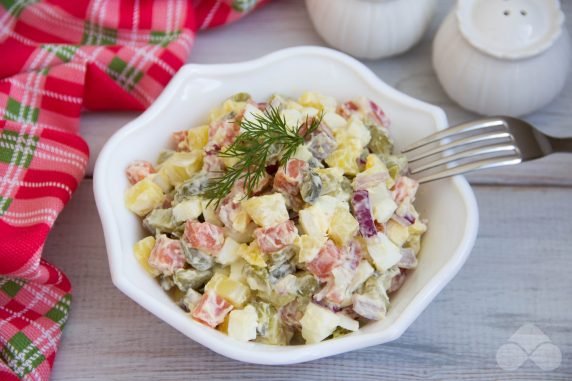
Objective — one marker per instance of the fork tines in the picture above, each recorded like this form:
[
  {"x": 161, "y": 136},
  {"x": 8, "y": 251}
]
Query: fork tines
[{"x": 466, "y": 147}]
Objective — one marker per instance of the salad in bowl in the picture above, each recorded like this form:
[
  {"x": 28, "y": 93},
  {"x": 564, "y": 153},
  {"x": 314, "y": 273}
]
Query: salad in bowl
[{"x": 280, "y": 222}]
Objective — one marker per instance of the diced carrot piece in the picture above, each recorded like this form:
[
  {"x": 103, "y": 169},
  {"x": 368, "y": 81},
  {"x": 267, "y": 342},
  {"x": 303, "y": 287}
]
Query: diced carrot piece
[
  {"x": 167, "y": 255},
  {"x": 204, "y": 236},
  {"x": 327, "y": 258},
  {"x": 289, "y": 178},
  {"x": 211, "y": 309},
  {"x": 138, "y": 170},
  {"x": 276, "y": 237}
]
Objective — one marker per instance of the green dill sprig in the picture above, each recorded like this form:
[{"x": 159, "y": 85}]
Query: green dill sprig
[{"x": 264, "y": 137}]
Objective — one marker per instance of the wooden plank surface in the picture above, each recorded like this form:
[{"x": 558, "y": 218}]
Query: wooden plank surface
[
  {"x": 518, "y": 272},
  {"x": 285, "y": 23}
]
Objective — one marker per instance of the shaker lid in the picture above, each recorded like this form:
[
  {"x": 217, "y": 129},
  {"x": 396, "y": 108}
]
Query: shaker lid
[{"x": 510, "y": 29}]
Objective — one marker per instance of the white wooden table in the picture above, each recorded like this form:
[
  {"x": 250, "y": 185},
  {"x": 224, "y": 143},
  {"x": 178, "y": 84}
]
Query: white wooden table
[{"x": 519, "y": 271}]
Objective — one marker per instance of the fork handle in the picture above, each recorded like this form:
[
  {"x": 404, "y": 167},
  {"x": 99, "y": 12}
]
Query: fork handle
[{"x": 561, "y": 144}]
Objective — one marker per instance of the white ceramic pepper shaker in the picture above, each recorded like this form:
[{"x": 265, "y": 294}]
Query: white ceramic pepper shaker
[
  {"x": 371, "y": 29},
  {"x": 508, "y": 57}
]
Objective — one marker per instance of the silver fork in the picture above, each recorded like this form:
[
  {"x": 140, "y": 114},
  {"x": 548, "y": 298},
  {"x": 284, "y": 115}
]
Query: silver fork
[{"x": 483, "y": 143}]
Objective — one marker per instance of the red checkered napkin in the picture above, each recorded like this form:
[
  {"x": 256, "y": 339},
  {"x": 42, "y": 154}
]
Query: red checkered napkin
[{"x": 58, "y": 57}]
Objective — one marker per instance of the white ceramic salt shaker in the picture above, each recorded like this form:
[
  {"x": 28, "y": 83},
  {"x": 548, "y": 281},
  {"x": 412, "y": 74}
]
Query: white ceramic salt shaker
[
  {"x": 371, "y": 29},
  {"x": 508, "y": 57}
]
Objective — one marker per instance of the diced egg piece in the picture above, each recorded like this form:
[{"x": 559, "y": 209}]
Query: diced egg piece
[
  {"x": 142, "y": 250},
  {"x": 355, "y": 129},
  {"x": 328, "y": 205},
  {"x": 309, "y": 246},
  {"x": 292, "y": 117},
  {"x": 382, "y": 203},
  {"x": 383, "y": 252},
  {"x": 267, "y": 210},
  {"x": 189, "y": 209},
  {"x": 318, "y": 323},
  {"x": 347, "y": 323},
  {"x": 302, "y": 153},
  {"x": 309, "y": 112},
  {"x": 334, "y": 121},
  {"x": 228, "y": 253},
  {"x": 396, "y": 232},
  {"x": 362, "y": 273},
  {"x": 242, "y": 324},
  {"x": 143, "y": 197},
  {"x": 209, "y": 213},
  {"x": 251, "y": 113}
]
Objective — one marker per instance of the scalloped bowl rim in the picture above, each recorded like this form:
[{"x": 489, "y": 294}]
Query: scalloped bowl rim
[{"x": 255, "y": 352}]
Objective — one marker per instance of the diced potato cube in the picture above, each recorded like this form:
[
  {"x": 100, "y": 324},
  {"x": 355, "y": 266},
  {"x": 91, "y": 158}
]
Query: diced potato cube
[
  {"x": 267, "y": 210},
  {"x": 189, "y": 209},
  {"x": 223, "y": 327},
  {"x": 229, "y": 252},
  {"x": 318, "y": 101},
  {"x": 234, "y": 292},
  {"x": 396, "y": 232},
  {"x": 252, "y": 254},
  {"x": 242, "y": 324},
  {"x": 214, "y": 281},
  {"x": 345, "y": 157},
  {"x": 227, "y": 107},
  {"x": 181, "y": 166},
  {"x": 143, "y": 197},
  {"x": 313, "y": 221},
  {"x": 418, "y": 227},
  {"x": 162, "y": 181},
  {"x": 309, "y": 246},
  {"x": 142, "y": 250},
  {"x": 198, "y": 137},
  {"x": 328, "y": 205},
  {"x": 383, "y": 252},
  {"x": 237, "y": 270},
  {"x": 343, "y": 227},
  {"x": 229, "y": 161}
]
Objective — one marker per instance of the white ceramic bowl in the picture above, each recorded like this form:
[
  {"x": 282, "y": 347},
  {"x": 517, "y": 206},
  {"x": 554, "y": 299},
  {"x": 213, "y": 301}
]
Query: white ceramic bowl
[
  {"x": 371, "y": 29},
  {"x": 449, "y": 205}
]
